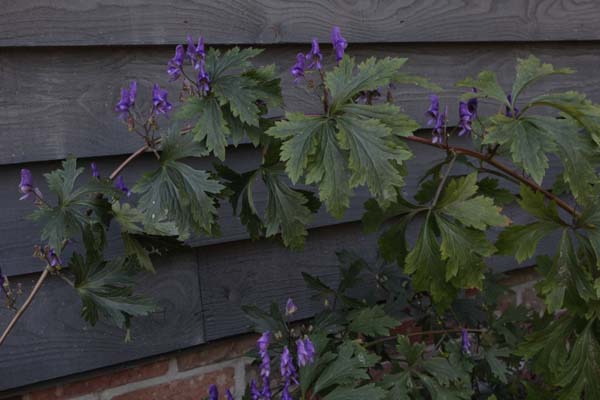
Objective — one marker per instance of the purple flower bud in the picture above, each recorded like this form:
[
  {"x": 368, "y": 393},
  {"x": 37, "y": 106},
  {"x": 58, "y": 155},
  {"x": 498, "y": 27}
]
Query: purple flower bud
[
  {"x": 254, "y": 392},
  {"x": 306, "y": 351},
  {"x": 509, "y": 112},
  {"x": 95, "y": 172},
  {"x": 263, "y": 351},
  {"x": 434, "y": 109},
  {"x": 159, "y": 100},
  {"x": 466, "y": 343},
  {"x": 53, "y": 259},
  {"x": 26, "y": 184},
  {"x": 203, "y": 78},
  {"x": 127, "y": 100},
  {"x": 297, "y": 70},
  {"x": 175, "y": 64},
  {"x": 195, "y": 54},
  {"x": 120, "y": 184},
  {"x": 338, "y": 42},
  {"x": 290, "y": 307},
  {"x": 213, "y": 393},
  {"x": 466, "y": 117},
  {"x": 315, "y": 56}
]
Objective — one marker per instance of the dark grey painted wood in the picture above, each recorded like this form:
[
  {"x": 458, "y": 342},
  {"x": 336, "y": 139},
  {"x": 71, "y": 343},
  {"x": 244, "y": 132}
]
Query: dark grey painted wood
[
  {"x": 51, "y": 340},
  {"x": 60, "y": 101},
  {"x": 106, "y": 22}
]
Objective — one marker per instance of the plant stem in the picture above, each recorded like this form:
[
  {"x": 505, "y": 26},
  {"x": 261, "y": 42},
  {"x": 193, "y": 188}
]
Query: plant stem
[
  {"x": 498, "y": 165},
  {"x": 432, "y": 332},
  {"x": 129, "y": 159},
  {"x": 443, "y": 182},
  {"x": 21, "y": 310}
]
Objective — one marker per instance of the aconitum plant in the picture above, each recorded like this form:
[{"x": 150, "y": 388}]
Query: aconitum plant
[{"x": 360, "y": 138}]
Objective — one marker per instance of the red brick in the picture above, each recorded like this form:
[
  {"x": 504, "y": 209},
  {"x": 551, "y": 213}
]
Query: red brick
[
  {"x": 216, "y": 352},
  {"x": 102, "y": 382},
  {"x": 193, "y": 388}
]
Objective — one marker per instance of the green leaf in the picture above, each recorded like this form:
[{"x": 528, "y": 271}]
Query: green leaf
[
  {"x": 582, "y": 369},
  {"x": 498, "y": 367},
  {"x": 530, "y": 70},
  {"x": 210, "y": 129},
  {"x": 487, "y": 86},
  {"x": 178, "y": 192},
  {"x": 371, "y": 321},
  {"x": 343, "y": 83},
  {"x": 234, "y": 59},
  {"x": 241, "y": 95},
  {"x": 535, "y": 204},
  {"x": 521, "y": 241},
  {"x": 402, "y": 78},
  {"x": 286, "y": 211},
  {"x": 528, "y": 142},
  {"x": 369, "y": 391},
  {"x": 388, "y": 114},
  {"x": 489, "y": 187},
  {"x": 371, "y": 155},
  {"x": 134, "y": 248},
  {"x": 106, "y": 290},
  {"x": 346, "y": 369}
]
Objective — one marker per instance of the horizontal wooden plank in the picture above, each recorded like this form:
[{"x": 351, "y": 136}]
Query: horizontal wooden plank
[
  {"x": 109, "y": 22},
  {"x": 54, "y": 102},
  {"x": 51, "y": 340}
]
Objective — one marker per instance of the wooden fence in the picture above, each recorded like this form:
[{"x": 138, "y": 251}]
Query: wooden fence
[{"x": 62, "y": 64}]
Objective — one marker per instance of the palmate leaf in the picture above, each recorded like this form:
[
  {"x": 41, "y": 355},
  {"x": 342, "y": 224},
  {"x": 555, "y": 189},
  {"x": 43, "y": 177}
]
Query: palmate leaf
[
  {"x": 493, "y": 357},
  {"x": 487, "y": 86},
  {"x": 106, "y": 289},
  {"x": 388, "y": 114},
  {"x": 489, "y": 187},
  {"x": 372, "y": 321},
  {"x": 369, "y": 391},
  {"x": 178, "y": 192},
  {"x": 521, "y": 241},
  {"x": 529, "y": 71},
  {"x": 343, "y": 83},
  {"x": 67, "y": 219}
]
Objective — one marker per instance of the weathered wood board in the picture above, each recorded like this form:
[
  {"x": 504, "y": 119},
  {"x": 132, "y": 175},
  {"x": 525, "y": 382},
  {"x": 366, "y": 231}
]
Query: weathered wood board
[{"x": 110, "y": 22}]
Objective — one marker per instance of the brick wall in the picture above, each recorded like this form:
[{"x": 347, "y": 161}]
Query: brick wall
[{"x": 187, "y": 375}]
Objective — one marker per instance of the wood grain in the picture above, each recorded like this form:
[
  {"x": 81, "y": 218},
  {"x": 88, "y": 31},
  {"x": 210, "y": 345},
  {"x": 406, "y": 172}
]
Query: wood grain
[
  {"x": 110, "y": 22},
  {"x": 52, "y": 340},
  {"x": 66, "y": 107}
]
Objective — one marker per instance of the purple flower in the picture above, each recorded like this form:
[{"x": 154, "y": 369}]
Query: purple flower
[
  {"x": 197, "y": 53},
  {"x": 338, "y": 42},
  {"x": 466, "y": 117},
  {"x": 440, "y": 126},
  {"x": 120, "y": 184},
  {"x": 159, "y": 100},
  {"x": 266, "y": 390},
  {"x": 473, "y": 104},
  {"x": 53, "y": 259},
  {"x": 297, "y": 70},
  {"x": 203, "y": 78},
  {"x": 509, "y": 111},
  {"x": 127, "y": 100},
  {"x": 229, "y": 395},
  {"x": 288, "y": 372},
  {"x": 434, "y": 109},
  {"x": 254, "y": 392},
  {"x": 95, "y": 172},
  {"x": 263, "y": 351},
  {"x": 175, "y": 63},
  {"x": 466, "y": 343},
  {"x": 306, "y": 351},
  {"x": 290, "y": 307},
  {"x": 315, "y": 56},
  {"x": 213, "y": 393},
  {"x": 26, "y": 184}
]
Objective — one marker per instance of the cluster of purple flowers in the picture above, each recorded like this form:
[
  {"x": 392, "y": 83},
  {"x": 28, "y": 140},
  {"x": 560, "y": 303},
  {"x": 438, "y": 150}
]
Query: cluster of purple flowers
[
  {"x": 213, "y": 393},
  {"x": 160, "y": 103},
  {"x": 196, "y": 53},
  {"x": 467, "y": 111},
  {"x": 314, "y": 58}
]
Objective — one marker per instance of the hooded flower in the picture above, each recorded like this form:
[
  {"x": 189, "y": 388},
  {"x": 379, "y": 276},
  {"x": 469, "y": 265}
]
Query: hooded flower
[
  {"x": 175, "y": 64},
  {"x": 160, "y": 102},
  {"x": 266, "y": 390},
  {"x": 315, "y": 57},
  {"x": 127, "y": 100},
  {"x": 196, "y": 53},
  {"x": 440, "y": 126},
  {"x": 338, "y": 42},
  {"x": 53, "y": 259},
  {"x": 306, "y": 351},
  {"x": 466, "y": 343},
  {"x": 213, "y": 393},
  {"x": 26, "y": 184},
  {"x": 290, "y": 307},
  {"x": 288, "y": 372},
  {"x": 95, "y": 172},
  {"x": 437, "y": 118},
  {"x": 203, "y": 78},
  {"x": 254, "y": 392},
  {"x": 508, "y": 111},
  {"x": 120, "y": 184},
  {"x": 297, "y": 70},
  {"x": 466, "y": 117},
  {"x": 434, "y": 109}
]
